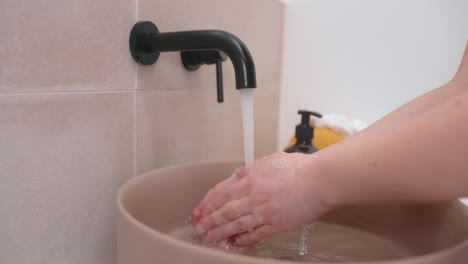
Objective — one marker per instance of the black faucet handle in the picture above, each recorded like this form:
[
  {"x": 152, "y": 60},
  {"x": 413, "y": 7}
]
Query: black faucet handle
[
  {"x": 219, "y": 81},
  {"x": 193, "y": 59}
]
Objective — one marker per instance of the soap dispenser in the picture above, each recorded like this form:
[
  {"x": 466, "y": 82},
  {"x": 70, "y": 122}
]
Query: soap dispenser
[{"x": 304, "y": 134}]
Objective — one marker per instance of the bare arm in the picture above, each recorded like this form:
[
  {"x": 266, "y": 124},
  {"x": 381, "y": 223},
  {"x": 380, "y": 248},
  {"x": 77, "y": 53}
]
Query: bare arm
[
  {"x": 420, "y": 161},
  {"x": 418, "y": 153},
  {"x": 422, "y": 104}
]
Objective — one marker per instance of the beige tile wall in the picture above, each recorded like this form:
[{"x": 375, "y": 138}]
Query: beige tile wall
[
  {"x": 67, "y": 87},
  {"x": 78, "y": 119},
  {"x": 62, "y": 158},
  {"x": 200, "y": 129},
  {"x": 53, "y": 45}
]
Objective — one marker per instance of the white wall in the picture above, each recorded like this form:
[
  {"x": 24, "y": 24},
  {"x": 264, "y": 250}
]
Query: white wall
[{"x": 364, "y": 58}]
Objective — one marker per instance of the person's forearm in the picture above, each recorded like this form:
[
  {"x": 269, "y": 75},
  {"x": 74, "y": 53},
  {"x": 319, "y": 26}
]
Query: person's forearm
[
  {"x": 416, "y": 153},
  {"x": 423, "y": 160},
  {"x": 413, "y": 109},
  {"x": 421, "y": 104}
]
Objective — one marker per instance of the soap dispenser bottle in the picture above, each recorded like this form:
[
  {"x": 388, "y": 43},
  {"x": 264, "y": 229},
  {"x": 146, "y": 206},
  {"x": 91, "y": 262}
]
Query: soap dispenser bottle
[{"x": 304, "y": 134}]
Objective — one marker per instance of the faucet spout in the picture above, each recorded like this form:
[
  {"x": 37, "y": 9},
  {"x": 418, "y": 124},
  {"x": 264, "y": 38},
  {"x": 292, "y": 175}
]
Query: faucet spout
[
  {"x": 220, "y": 40},
  {"x": 152, "y": 41}
]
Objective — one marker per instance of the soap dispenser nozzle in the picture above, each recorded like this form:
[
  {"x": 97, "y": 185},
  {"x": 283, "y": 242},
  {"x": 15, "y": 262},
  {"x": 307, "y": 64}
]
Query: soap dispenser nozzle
[
  {"x": 304, "y": 134},
  {"x": 304, "y": 131}
]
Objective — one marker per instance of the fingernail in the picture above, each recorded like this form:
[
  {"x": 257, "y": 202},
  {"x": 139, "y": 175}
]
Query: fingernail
[
  {"x": 196, "y": 214},
  {"x": 200, "y": 229},
  {"x": 241, "y": 172}
]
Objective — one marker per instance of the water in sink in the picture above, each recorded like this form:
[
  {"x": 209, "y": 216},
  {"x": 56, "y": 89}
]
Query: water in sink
[{"x": 324, "y": 243}]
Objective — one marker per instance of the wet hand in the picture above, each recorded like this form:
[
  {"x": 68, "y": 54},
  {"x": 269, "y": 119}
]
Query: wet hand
[{"x": 275, "y": 194}]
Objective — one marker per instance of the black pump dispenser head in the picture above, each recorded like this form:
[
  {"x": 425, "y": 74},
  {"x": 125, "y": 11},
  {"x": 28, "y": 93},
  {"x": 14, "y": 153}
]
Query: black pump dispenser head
[
  {"x": 304, "y": 134},
  {"x": 304, "y": 131}
]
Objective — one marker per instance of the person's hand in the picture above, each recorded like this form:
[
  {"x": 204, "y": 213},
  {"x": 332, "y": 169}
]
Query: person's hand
[{"x": 276, "y": 193}]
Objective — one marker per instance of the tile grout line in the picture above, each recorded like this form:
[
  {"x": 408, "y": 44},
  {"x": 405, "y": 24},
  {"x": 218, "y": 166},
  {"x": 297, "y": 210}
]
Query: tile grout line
[
  {"x": 137, "y": 5},
  {"x": 135, "y": 103},
  {"x": 65, "y": 92},
  {"x": 95, "y": 92},
  {"x": 135, "y": 122},
  {"x": 134, "y": 135}
]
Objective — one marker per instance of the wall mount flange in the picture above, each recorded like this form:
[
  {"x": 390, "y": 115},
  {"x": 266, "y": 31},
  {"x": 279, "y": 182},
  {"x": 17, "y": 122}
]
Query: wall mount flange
[{"x": 140, "y": 35}]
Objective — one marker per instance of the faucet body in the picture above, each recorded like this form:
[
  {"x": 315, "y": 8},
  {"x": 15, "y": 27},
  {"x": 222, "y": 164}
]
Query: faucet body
[
  {"x": 148, "y": 40},
  {"x": 220, "y": 40}
]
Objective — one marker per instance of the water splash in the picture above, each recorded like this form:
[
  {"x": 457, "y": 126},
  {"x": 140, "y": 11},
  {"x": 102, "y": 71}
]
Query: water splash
[
  {"x": 188, "y": 220},
  {"x": 303, "y": 247}
]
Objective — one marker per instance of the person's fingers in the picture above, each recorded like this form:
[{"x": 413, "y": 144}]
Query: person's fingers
[
  {"x": 246, "y": 223},
  {"x": 197, "y": 211},
  {"x": 232, "y": 192},
  {"x": 220, "y": 186},
  {"x": 229, "y": 212},
  {"x": 256, "y": 235},
  {"x": 241, "y": 172}
]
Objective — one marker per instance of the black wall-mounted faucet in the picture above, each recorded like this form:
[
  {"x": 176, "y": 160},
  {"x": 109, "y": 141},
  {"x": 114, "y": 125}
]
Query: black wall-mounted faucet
[{"x": 197, "y": 47}]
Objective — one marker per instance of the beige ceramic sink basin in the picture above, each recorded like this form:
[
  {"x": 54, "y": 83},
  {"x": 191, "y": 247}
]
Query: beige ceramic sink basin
[{"x": 152, "y": 204}]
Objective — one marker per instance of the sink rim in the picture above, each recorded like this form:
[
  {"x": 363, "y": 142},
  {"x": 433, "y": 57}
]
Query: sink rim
[{"x": 185, "y": 245}]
